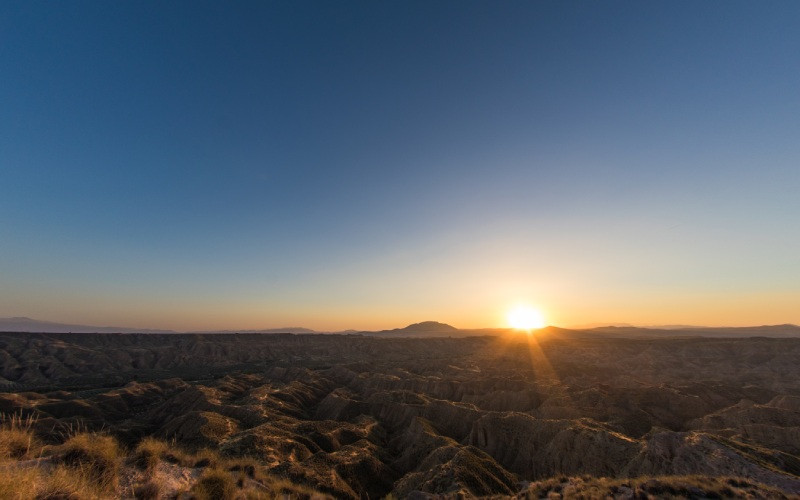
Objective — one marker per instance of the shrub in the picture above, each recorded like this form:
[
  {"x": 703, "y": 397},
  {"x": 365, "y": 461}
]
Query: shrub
[
  {"x": 147, "y": 491},
  {"x": 204, "y": 458},
  {"x": 17, "y": 441},
  {"x": 17, "y": 483},
  {"x": 215, "y": 484},
  {"x": 65, "y": 483},
  {"x": 97, "y": 457},
  {"x": 246, "y": 466},
  {"x": 148, "y": 453},
  {"x": 278, "y": 487},
  {"x": 173, "y": 458}
]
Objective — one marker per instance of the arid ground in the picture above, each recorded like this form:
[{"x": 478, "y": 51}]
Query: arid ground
[{"x": 361, "y": 416}]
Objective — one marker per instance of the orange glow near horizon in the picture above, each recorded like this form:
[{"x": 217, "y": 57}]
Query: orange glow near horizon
[{"x": 491, "y": 309}]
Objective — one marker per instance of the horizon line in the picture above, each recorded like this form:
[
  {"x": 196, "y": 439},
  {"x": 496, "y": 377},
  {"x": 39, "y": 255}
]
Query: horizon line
[{"x": 294, "y": 329}]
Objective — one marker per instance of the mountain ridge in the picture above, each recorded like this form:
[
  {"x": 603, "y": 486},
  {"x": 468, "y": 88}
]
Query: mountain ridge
[{"x": 24, "y": 324}]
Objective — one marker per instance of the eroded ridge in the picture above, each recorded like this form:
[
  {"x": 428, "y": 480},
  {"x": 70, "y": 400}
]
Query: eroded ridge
[{"x": 362, "y": 417}]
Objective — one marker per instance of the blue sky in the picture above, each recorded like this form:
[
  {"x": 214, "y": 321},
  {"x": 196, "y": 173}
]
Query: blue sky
[{"x": 369, "y": 164}]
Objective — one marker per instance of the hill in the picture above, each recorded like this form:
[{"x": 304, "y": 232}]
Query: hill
[{"x": 23, "y": 324}]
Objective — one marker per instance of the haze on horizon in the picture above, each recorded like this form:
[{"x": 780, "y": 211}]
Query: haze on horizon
[{"x": 199, "y": 166}]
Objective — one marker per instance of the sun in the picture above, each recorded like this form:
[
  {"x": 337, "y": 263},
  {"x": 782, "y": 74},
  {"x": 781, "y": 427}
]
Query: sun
[{"x": 525, "y": 318}]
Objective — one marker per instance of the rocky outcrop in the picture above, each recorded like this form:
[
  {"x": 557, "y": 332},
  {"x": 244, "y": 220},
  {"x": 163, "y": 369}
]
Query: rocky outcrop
[
  {"x": 199, "y": 429},
  {"x": 681, "y": 453},
  {"x": 536, "y": 448},
  {"x": 457, "y": 471}
]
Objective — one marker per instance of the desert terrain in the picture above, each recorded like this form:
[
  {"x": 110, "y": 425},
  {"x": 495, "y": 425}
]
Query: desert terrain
[{"x": 620, "y": 412}]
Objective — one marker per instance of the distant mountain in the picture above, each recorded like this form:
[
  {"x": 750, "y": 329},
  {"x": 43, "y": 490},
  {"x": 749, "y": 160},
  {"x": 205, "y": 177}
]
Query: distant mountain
[
  {"x": 286, "y": 329},
  {"x": 589, "y": 326},
  {"x": 701, "y": 331},
  {"x": 673, "y": 327},
  {"x": 429, "y": 326},
  {"x": 422, "y": 329},
  {"x": 435, "y": 329},
  {"x": 23, "y": 324}
]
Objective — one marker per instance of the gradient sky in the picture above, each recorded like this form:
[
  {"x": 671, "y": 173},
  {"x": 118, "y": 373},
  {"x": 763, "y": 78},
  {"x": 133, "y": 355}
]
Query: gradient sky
[{"x": 204, "y": 165}]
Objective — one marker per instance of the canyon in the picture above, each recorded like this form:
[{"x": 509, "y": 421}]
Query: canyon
[{"x": 364, "y": 416}]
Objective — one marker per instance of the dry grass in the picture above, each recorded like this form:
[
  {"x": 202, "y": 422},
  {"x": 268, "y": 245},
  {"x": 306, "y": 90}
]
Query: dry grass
[
  {"x": 90, "y": 466},
  {"x": 215, "y": 484},
  {"x": 256, "y": 484},
  {"x": 245, "y": 466},
  {"x": 93, "y": 456},
  {"x": 276, "y": 488},
  {"x": 17, "y": 441},
  {"x": 84, "y": 467},
  {"x": 675, "y": 487},
  {"x": 147, "y": 491},
  {"x": 149, "y": 452},
  {"x": 17, "y": 483},
  {"x": 204, "y": 458},
  {"x": 49, "y": 482}
]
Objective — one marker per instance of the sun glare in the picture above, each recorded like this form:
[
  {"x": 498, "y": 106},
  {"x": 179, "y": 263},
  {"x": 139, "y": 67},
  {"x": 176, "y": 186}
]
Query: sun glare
[{"x": 525, "y": 318}]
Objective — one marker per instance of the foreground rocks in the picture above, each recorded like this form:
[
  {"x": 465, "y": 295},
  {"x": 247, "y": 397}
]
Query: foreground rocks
[{"x": 363, "y": 417}]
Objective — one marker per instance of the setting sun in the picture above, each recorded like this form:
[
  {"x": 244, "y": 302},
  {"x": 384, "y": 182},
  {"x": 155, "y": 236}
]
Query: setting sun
[{"x": 525, "y": 318}]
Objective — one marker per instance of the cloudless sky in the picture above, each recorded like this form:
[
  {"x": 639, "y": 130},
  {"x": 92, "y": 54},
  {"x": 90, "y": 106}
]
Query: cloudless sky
[{"x": 204, "y": 165}]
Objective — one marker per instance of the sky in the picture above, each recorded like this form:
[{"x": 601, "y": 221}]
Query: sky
[{"x": 366, "y": 165}]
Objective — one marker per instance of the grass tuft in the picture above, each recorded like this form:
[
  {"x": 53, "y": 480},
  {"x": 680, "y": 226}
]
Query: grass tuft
[
  {"x": 247, "y": 466},
  {"x": 215, "y": 484},
  {"x": 147, "y": 491},
  {"x": 17, "y": 440},
  {"x": 95, "y": 456},
  {"x": 650, "y": 487},
  {"x": 60, "y": 482},
  {"x": 205, "y": 458},
  {"x": 148, "y": 453},
  {"x": 89, "y": 466}
]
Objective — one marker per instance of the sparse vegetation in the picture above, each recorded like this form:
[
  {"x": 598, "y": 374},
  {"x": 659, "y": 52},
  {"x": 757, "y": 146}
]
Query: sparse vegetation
[
  {"x": 89, "y": 465},
  {"x": 674, "y": 487},
  {"x": 215, "y": 484},
  {"x": 280, "y": 487},
  {"x": 95, "y": 456},
  {"x": 17, "y": 483},
  {"x": 204, "y": 458},
  {"x": 58, "y": 482},
  {"x": 147, "y": 491},
  {"x": 247, "y": 466},
  {"x": 149, "y": 452},
  {"x": 17, "y": 440},
  {"x": 85, "y": 466}
]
